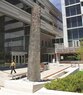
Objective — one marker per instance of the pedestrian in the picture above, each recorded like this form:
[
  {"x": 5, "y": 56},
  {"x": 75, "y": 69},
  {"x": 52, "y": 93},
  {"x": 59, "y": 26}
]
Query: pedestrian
[{"x": 13, "y": 66}]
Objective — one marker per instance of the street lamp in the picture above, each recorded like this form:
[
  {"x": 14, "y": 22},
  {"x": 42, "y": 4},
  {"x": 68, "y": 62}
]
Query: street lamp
[{"x": 57, "y": 57}]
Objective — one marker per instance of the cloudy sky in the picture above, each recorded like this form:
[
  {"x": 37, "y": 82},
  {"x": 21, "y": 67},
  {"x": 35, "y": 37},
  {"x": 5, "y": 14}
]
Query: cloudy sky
[{"x": 56, "y": 3}]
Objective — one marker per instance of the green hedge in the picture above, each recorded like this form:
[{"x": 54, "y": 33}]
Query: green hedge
[{"x": 71, "y": 83}]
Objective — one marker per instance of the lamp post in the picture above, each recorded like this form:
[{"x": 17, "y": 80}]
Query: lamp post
[{"x": 57, "y": 56}]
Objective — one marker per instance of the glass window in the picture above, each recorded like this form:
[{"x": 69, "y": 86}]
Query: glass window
[
  {"x": 73, "y": 10},
  {"x": 79, "y": 20},
  {"x": 67, "y": 11},
  {"x": 69, "y": 34},
  {"x": 74, "y": 21},
  {"x": 75, "y": 33},
  {"x": 68, "y": 22},
  {"x": 78, "y": 10},
  {"x": 72, "y": 1},
  {"x": 81, "y": 33},
  {"x": 77, "y": 1},
  {"x": 66, "y": 2}
]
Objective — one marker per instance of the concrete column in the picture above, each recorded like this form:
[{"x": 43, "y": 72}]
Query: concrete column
[{"x": 34, "y": 46}]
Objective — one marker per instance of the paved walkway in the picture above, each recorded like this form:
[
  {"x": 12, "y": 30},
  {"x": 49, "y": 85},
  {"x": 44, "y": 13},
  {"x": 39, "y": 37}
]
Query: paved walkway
[
  {"x": 5, "y": 75},
  {"x": 54, "y": 70}
]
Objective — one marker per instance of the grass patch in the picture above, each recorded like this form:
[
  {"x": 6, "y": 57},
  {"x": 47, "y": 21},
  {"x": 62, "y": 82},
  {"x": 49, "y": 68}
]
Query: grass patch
[{"x": 71, "y": 83}]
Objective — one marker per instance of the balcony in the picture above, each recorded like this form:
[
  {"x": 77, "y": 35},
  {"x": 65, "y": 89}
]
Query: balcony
[{"x": 59, "y": 48}]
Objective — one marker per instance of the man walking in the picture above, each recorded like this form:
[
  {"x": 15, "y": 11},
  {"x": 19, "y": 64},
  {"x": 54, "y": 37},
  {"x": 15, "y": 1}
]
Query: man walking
[{"x": 13, "y": 66}]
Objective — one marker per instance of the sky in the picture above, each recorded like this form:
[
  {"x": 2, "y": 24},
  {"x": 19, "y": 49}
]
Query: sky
[{"x": 56, "y": 3}]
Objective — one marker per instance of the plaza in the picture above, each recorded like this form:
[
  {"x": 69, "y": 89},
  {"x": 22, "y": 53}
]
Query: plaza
[
  {"x": 7, "y": 80},
  {"x": 33, "y": 35}
]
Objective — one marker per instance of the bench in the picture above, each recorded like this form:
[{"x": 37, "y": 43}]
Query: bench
[{"x": 18, "y": 76}]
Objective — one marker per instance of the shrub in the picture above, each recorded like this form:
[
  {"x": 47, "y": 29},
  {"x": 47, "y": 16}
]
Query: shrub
[{"x": 71, "y": 83}]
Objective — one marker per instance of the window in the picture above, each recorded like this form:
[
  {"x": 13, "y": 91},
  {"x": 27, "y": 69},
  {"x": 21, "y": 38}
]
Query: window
[
  {"x": 68, "y": 22},
  {"x": 66, "y": 2},
  {"x": 75, "y": 33},
  {"x": 79, "y": 20},
  {"x": 73, "y": 10},
  {"x": 69, "y": 34},
  {"x": 67, "y": 11},
  {"x": 77, "y": 1},
  {"x": 78, "y": 9},
  {"x": 73, "y": 21},
  {"x": 81, "y": 33},
  {"x": 72, "y": 1}
]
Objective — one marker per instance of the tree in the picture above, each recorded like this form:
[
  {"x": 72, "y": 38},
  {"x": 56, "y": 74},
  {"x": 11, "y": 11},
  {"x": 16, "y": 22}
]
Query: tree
[{"x": 80, "y": 50}]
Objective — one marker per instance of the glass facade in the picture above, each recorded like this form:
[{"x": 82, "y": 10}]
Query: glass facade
[
  {"x": 75, "y": 33},
  {"x": 73, "y": 10},
  {"x": 74, "y": 21},
  {"x": 68, "y": 2}
]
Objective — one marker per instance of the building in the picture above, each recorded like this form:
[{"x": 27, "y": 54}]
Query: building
[
  {"x": 72, "y": 15},
  {"x": 16, "y": 23},
  {"x": 72, "y": 11}
]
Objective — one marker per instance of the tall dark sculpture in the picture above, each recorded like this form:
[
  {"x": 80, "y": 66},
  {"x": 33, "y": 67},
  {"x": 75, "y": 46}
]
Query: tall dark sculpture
[{"x": 34, "y": 46}]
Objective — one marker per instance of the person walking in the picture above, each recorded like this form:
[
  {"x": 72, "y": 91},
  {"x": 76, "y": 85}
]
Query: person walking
[{"x": 13, "y": 66}]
